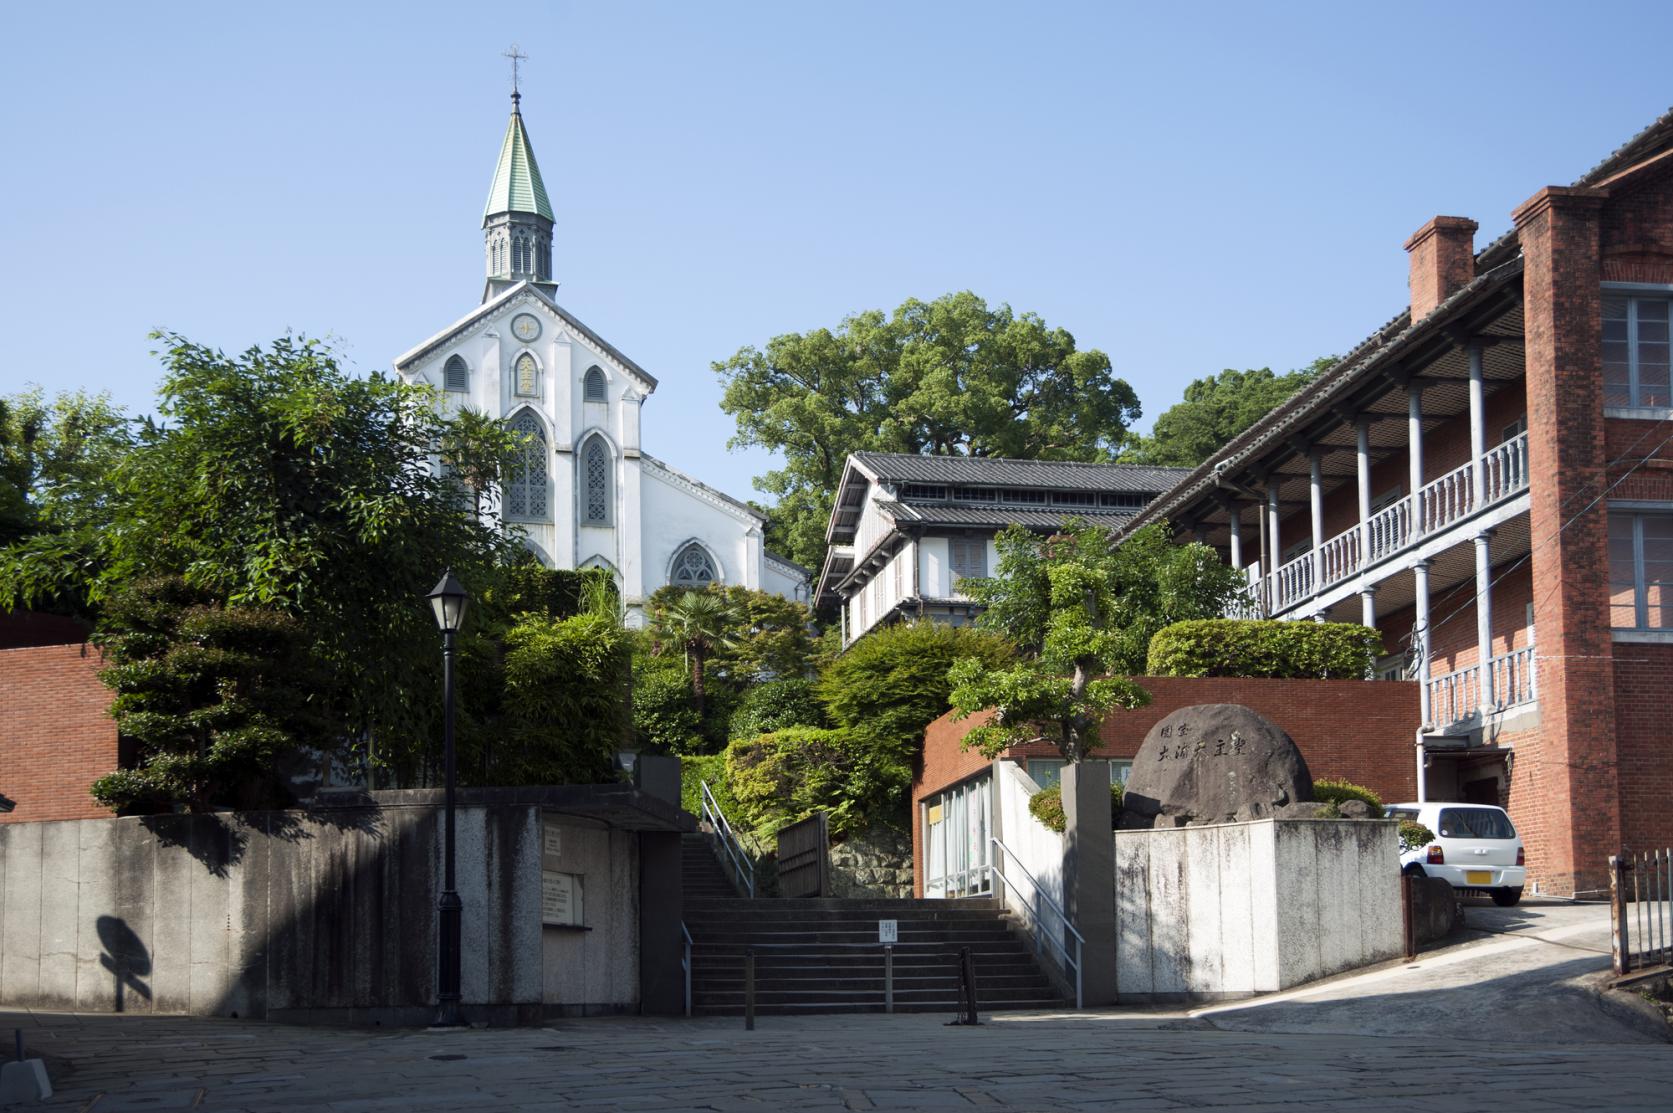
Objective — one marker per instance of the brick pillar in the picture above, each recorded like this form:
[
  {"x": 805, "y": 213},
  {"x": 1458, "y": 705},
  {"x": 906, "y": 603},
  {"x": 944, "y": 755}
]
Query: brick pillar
[{"x": 1565, "y": 788}]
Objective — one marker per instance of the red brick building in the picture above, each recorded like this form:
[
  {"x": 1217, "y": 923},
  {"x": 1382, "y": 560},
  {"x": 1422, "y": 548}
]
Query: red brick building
[
  {"x": 1344, "y": 728},
  {"x": 56, "y": 733},
  {"x": 1487, "y": 480}
]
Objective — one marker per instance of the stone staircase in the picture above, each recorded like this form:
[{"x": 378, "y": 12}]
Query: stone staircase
[{"x": 822, "y": 956}]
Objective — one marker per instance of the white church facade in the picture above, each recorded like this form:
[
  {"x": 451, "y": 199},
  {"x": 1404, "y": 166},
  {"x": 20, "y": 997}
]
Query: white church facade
[{"x": 584, "y": 493}]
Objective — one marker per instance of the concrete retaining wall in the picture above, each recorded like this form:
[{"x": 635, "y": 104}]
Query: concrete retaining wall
[
  {"x": 324, "y": 915},
  {"x": 1236, "y": 909}
]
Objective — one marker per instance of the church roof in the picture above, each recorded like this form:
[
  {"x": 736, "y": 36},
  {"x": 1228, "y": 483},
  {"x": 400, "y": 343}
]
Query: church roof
[{"x": 517, "y": 186}]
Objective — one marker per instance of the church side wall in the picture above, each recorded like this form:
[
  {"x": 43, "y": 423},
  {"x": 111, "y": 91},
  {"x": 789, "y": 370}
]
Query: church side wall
[{"x": 672, "y": 516}]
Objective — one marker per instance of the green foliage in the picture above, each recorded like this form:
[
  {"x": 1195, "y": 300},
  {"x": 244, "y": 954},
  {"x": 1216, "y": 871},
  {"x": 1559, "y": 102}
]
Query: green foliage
[
  {"x": 55, "y": 462},
  {"x": 784, "y": 777},
  {"x": 949, "y": 377},
  {"x": 476, "y": 450},
  {"x": 777, "y": 704},
  {"x": 698, "y": 768},
  {"x": 529, "y": 587},
  {"x": 1265, "y": 648},
  {"x": 565, "y": 704},
  {"x": 1333, "y": 791},
  {"x": 1083, "y": 610},
  {"x": 1215, "y": 410},
  {"x": 664, "y": 716},
  {"x": 214, "y": 698},
  {"x": 1047, "y": 806},
  {"x": 769, "y": 636},
  {"x": 1414, "y": 835}
]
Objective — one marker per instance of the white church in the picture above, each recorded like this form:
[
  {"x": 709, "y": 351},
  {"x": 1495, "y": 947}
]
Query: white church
[{"x": 585, "y": 493}]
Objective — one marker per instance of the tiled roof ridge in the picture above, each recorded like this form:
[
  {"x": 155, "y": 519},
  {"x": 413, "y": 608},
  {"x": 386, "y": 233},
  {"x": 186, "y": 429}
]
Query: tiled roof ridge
[{"x": 1023, "y": 460}]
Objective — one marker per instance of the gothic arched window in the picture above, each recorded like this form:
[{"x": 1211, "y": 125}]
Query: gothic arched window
[
  {"x": 595, "y": 468},
  {"x": 526, "y": 374},
  {"x": 693, "y": 567},
  {"x": 592, "y": 386},
  {"x": 525, "y": 488},
  {"x": 455, "y": 375}
]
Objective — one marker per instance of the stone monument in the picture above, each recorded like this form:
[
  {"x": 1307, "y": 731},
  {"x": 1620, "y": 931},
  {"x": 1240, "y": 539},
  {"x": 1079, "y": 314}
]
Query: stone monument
[{"x": 1214, "y": 763}]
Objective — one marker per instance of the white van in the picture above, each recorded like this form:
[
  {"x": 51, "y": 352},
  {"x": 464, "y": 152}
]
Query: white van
[{"x": 1476, "y": 848}]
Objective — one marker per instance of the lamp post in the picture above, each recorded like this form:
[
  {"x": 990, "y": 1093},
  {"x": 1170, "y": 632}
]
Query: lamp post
[{"x": 448, "y": 600}]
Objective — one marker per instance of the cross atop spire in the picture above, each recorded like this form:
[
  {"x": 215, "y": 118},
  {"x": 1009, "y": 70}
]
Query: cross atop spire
[{"x": 516, "y": 56}]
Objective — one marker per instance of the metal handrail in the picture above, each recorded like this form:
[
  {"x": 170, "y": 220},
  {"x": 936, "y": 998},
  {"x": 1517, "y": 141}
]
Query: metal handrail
[
  {"x": 1039, "y": 928},
  {"x": 685, "y": 965},
  {"x": 743, "y": 870}
]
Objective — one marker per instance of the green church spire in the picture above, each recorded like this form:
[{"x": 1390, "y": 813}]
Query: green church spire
[{"x": 517, "y": 186}]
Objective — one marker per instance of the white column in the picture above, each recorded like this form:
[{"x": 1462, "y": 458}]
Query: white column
[
  {"x": 1362, "y": 432},
  {"x": 1420, "y": 635},
  {"x": 1315, "y": 496},
  {"x": 1368, "y": 606},
  {"x": 1272, "y": 546},
  {"x": 1234, "y": 511},
  {"x": 1478, "y": 430},
  {"x": 1484, "y": 618},
  {"x": 1414, "y": 452}
]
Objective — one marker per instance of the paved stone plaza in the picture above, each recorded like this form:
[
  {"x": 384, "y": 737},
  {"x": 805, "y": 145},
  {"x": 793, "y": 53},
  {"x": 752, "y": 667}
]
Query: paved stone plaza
[{"x": 1036, "y": 1062}]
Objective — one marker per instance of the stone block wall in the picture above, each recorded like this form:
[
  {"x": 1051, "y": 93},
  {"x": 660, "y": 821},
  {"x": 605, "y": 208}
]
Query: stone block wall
[{"x": 874, "y": 863}]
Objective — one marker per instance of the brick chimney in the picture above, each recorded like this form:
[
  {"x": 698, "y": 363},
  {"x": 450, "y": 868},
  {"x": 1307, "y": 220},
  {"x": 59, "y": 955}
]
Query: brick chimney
[{"x": 1443, "y": 261}]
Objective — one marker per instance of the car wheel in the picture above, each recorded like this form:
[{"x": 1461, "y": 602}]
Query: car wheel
[
  {"x": 1414, "y": 870},
  {"x": 1504, "y": 898}
]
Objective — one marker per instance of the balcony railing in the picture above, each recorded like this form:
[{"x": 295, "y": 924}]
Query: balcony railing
[
  {"x": 1436, "y": 507},
  {"x": 1458, "y": 697}
]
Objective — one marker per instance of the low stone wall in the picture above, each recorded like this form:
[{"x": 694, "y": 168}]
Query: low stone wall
[
  {"x": 1236, "y": 909},
  {"x": 875, "y": 863}
]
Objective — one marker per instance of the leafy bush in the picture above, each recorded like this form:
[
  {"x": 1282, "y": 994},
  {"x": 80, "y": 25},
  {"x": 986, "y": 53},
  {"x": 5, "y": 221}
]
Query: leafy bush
[
  {"x": 711, "y": 768},
  {"x": 1328, "y": 790},
  {"x": 777, "y": 704},
  {"x": 1238, "y": 647},
  {"x": 664, "y": 716},
  {"x": 781, "y": 778},
  {"x": 1414, "y": 835},
  {"x": 893, "y": 683},
  {"x": 1047, "y": 806},
  {"x": 565, "y": 700},
  {"x": 530, "y": 587}
]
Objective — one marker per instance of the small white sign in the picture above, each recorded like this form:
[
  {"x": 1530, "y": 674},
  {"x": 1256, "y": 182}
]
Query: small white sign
[
  {"x": 552, "y": 844},
  {"x": 560, "y": 898},
  {"x": 888, "y": 931}
]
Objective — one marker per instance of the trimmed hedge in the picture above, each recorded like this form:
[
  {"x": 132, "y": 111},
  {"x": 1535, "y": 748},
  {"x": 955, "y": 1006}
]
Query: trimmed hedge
[
  {"x": 1264, "y": 648},
  {"x": 1047, "y": 806},
  {"x": 1328, "y": 790}
]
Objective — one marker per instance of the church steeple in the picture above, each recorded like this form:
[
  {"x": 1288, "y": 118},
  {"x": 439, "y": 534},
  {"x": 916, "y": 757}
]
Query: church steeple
[{"x": 517, "y": 221}]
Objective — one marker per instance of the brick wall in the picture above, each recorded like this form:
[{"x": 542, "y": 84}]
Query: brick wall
[
  {"x": 1643, "y": 675},
  {"x": 1363, "y": 731},
  {"x": 55, "y": 735}
]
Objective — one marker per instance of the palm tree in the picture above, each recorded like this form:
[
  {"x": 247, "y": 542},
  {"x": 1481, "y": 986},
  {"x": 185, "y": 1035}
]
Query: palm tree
[{"x": 699, "y": 622}]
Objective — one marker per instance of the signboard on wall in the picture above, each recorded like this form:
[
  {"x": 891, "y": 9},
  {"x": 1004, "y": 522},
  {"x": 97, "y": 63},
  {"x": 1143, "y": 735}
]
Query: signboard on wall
[{"x": 560, "y": 898}]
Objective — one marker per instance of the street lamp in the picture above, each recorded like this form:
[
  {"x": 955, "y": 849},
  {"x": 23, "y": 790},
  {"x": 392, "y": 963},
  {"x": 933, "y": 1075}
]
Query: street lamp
[{"x": 448, "y": 600}]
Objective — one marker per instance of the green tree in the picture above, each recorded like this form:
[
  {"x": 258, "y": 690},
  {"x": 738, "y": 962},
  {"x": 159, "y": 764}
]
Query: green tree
[
  {"x": 55, "y": 462},
  {"x": 770, "y": 636},
  {"x": 565, "y": 699},
  {"x": 1215, "y": 410},
  {"x": 214, "y": 697},
  {"x": 698, "y": 624},
  {"x": 476, "y": 451},
  {"x": 1083, "y": 610},
  {"x": 951, "y": 377}
]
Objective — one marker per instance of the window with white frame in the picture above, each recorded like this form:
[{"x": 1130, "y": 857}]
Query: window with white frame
[
  {"x": 693, "y": 567},
  {"x": 1635, "y": 351},
  {"x": 1048, "y": 771},
  {"x": 1641, "y": 570},
  {"x": 1514, "y": 429},
  {"x": 592, "y": 386},
  {"x": 525, "y": 488},
  {"x": 595, "y": 465},
  {"x": 455, "y": 375},
  {"x": 968, "y": 556}
]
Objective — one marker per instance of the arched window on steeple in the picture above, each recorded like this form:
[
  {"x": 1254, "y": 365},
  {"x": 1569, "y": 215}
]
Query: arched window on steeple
[
  {"x": 693, "y": 567},
  {"x": 595, "y": 480},
  {"x": 526, "y": 483},
  {"x": 455, "y": 375},
  {"x": 592, "y": 386}
]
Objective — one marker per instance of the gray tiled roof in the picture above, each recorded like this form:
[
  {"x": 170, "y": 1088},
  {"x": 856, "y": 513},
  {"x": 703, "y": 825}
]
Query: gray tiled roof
[
  {"x": 992, "y": 471},
  {"x": 936, "y": 514}
]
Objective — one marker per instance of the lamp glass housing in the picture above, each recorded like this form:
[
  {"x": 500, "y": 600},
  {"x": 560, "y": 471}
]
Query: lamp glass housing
[{"x": 449, "y": 601}]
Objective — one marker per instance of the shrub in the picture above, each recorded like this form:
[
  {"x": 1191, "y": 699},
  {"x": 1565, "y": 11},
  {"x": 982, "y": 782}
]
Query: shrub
[
  {"x": 565, "y": 705},
  {"x": 777, "y": 704},
  {"x": 1413, "y": 835},
  {"x": 1328, "y": 790},
  {"x": 664, "y": 716},
  {"x": 784, "y": 777},
  {"x": 893, "y": 683},
  {"x": 1047, "y": 806},
  {"x": 711, "y": 768},
  {"x": 1238, "y": 647}
]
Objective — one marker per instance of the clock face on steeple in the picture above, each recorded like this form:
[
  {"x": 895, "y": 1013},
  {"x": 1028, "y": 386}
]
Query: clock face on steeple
[{"x": 525, "y": 327}]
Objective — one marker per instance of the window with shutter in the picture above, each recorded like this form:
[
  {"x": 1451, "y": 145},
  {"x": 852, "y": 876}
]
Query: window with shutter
[
  {"x": 968, "y": 556},
  {"x": 592, "y": 385},
  {"x": 455, "y": 376}
]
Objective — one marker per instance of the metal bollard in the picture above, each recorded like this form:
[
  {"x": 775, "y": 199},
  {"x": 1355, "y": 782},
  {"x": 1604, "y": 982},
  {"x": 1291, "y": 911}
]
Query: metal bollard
[
  {"x": 888, "y": 978},
  {"x": 966, "y": 990},
  {"x": 749, "y": 989}
]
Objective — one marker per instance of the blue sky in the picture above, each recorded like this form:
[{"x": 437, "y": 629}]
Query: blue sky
[{"x": 1184, "y": 187}]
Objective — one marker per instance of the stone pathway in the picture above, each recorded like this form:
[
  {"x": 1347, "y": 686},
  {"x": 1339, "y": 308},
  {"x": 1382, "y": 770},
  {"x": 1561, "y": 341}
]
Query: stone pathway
[{"x": 1044, "y": 1062}]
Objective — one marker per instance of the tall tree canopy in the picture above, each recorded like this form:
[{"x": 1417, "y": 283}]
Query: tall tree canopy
[
  {"x": 1215, "y": 410},
  {"x": 952, "y": 377}
]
